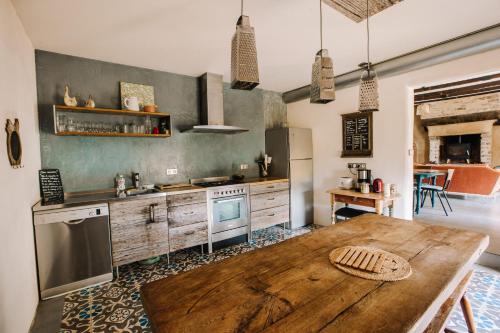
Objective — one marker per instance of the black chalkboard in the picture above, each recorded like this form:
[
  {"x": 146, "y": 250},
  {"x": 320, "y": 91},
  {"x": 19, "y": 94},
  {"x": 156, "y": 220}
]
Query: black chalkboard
[
  {"x": 51, "y": 189},
  {"x": 357, "y": 134}
]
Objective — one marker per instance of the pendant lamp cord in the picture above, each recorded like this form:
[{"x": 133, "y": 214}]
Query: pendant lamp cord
[
  {"x": 321, "y": 27},
  {"x": 368, "y": 36},
  {"x": 241, "y": 7}
]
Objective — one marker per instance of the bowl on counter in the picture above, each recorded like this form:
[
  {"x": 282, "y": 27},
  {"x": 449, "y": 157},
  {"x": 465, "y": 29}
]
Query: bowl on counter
[{"x": 345, "y": 183}]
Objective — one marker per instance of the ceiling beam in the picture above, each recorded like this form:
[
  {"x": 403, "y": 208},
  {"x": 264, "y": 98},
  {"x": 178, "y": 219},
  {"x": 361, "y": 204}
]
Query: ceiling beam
[
  {"x": 473, "y": 43},
  {"x": 472, "y": 90}
]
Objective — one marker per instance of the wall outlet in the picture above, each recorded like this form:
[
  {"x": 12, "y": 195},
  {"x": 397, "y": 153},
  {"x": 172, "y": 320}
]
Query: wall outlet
[
  {"x": 243, "y": 166},
  {"x": 356, "y": 165},
  {"x": 171, "y": 172}
]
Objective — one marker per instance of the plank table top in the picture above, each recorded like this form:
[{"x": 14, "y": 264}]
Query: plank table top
[{"x": 292, "y": 286}]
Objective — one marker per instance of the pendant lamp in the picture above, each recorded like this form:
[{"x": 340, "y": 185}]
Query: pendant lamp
[
  {"x": 244, "y": 67},
  {"x": 322, "y": 81},
  {"x": 368, "y": 87}
]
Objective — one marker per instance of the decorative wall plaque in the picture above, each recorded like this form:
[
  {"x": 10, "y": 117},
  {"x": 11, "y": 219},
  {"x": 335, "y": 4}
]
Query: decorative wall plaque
[
  {"x": 14, "y": 147},
  {"x": 357, "y": 134}
]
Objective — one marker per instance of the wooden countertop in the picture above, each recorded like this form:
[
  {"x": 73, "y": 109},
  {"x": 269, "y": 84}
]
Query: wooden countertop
[
  {"x": 266, "y": 180},
  {"x": 292, "y": 287}
]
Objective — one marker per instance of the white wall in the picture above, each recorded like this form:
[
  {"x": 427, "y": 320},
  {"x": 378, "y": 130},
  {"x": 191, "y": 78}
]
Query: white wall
[
  {"x": 19, "y": 187},
  {"x": 392, "y": 131}
]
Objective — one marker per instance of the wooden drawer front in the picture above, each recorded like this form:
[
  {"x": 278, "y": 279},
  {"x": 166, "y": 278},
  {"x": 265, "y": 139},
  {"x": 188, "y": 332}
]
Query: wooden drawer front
[
  {"x": 355, "y": 201},
  {"x": 139, "y": 241},
  {"x": 268, "y": 217},
  {"x": 188, "y": 236},
  {"x": 129, "y": 212},
  {"x": 258, "y": 188},
  {"x": 186, "y": 198},
  {"x": 187, "y": 214},
  {"x": 268, "y": 200}
]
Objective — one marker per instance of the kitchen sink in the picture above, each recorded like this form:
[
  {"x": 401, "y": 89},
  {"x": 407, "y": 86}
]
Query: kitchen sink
[{"x": 134, "y": 191}]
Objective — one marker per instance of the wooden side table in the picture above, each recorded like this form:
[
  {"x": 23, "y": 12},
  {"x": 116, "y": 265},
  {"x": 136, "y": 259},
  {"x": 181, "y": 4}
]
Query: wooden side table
[{"x": 351, "y": 197}]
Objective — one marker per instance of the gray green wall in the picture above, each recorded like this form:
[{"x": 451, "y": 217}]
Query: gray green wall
[{"x": 89, "y": 163}]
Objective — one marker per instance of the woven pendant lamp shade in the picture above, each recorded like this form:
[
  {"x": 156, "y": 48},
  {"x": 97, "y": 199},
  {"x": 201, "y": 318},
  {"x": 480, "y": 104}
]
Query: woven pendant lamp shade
[
  {"x": 368, "y": 91},
  {"x": 244, "y": 68},
  {"x": 322, "y": 81}
]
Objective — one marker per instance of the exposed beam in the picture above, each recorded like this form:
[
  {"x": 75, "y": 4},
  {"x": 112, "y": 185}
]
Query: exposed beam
[
  {"x": 476, "y": 42},
  {"x": 472, "y": 90},
  {"x": 466, "y": 118},
  {"x": 459, "y": 83}
]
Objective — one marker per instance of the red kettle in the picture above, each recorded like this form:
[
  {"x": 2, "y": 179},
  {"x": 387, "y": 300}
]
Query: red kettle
[{"x": 378, "y": 185}]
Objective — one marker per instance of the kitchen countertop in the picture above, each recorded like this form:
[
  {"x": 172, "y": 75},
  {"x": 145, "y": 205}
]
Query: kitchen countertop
[{"x": 84, "y": 198}]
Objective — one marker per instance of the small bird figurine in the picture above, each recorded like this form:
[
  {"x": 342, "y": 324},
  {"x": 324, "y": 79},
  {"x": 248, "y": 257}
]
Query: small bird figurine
[
  {"x": 69, "y": 101},
  {"x": 90, "y": 102}
]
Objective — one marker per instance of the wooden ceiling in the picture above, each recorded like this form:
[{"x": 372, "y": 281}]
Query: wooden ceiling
[
  {"x": 470, "y": 87},
  {"x": 356, "y": 9}
]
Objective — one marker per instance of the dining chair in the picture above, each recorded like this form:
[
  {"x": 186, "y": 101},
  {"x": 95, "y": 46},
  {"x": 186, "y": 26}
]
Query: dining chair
[{"x": 439, "y": 191}]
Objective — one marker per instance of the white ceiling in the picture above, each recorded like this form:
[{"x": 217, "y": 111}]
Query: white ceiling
[{"x": 193, "y": 37}]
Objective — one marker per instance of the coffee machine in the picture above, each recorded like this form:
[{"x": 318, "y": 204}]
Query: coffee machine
[{"x": 364, "y": 176}]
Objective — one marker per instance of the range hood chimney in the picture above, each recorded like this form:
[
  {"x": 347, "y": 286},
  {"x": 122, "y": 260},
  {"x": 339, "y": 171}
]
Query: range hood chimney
[{"x": 212, "y": 107}]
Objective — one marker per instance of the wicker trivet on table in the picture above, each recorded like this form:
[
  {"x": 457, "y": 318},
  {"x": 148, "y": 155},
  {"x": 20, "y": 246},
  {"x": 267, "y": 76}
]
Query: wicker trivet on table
[{"x": 370, "y": 263}]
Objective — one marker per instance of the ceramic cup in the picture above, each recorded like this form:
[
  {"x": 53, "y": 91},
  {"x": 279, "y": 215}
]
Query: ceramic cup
[{"x": 131, "y": 103}]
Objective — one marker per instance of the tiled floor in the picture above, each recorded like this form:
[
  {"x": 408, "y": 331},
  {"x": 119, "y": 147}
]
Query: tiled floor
[{"x": 116, "y": 306}]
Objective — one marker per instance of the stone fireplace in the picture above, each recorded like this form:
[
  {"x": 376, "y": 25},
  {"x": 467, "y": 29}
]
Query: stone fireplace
[{"x": 445, "y": 141}]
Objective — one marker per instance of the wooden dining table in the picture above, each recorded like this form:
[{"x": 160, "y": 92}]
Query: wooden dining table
[
  {"x": 292, "y": 286},
  {"x": 419, "y": 175}
]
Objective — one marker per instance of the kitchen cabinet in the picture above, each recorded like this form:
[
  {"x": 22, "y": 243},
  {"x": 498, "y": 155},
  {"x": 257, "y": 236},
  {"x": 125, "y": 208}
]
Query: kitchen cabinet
[
  {"x": 187, "y": 220},
  {"x": 139, "y": 229},
  {"x": 269, "y": 204}
]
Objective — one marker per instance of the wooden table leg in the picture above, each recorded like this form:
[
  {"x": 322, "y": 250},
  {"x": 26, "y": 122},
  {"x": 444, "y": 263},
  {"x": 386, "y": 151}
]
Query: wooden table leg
[
  {"x": 467, "y": 311},
  {"x": 332, "y": 208},
  {"x": 379, "y": 207}
]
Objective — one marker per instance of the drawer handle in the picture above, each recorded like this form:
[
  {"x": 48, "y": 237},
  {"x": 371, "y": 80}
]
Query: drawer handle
[
  {"x": 270, "y": 199},
  {"x": 189, "y": 232},
  {"x": 152, "y": 213},
  {"x": 271, "y": 215},
  {"x": 189, "y": 213},
  {"x": 270, "y": 186}
]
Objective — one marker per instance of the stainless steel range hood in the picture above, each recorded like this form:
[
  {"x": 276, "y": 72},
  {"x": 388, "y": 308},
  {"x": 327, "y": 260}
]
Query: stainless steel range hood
[{"x": 212, "y": 107}]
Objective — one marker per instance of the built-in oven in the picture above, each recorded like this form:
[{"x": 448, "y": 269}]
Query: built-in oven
[{"x": 228, "y": 212}]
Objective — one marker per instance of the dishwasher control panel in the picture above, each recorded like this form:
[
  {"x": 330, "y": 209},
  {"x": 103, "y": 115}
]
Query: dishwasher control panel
[{"x": 70, "y": 214}]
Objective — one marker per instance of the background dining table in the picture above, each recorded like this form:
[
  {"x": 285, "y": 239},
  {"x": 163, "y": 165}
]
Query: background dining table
[{"x": 419, "y": 175}]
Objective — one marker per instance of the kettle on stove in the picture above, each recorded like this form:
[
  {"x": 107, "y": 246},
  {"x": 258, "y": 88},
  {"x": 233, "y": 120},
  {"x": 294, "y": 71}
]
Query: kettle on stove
[{"x": 378, "y": 185}]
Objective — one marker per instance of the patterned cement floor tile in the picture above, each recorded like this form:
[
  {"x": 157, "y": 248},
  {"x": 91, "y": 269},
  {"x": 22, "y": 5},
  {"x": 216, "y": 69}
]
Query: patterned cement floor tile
[{"x": 117, "y": 307}]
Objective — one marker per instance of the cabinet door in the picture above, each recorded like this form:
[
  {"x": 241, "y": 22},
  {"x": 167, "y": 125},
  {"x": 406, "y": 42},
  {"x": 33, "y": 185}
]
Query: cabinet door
[
  {"x": 188, "y": 236},
  {"x": 187, "y": 214},
  {"x": 134, "y": 236}
]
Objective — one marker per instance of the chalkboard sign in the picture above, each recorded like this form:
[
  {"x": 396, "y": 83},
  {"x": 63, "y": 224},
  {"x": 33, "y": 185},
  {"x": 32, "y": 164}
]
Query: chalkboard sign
[
  {"x": 51, "y": 189},
  {"x": 357, "y": 134}
]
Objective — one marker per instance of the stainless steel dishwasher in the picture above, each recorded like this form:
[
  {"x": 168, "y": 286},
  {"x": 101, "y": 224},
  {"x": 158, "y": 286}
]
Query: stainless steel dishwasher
[{"x": 73, "y": 248}]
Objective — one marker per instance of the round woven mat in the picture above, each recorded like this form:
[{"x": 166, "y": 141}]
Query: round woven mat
[{"x": 394, "y": 268}]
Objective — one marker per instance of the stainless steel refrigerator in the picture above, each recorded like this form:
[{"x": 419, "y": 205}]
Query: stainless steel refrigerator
[{"x": 291, "y": 152}]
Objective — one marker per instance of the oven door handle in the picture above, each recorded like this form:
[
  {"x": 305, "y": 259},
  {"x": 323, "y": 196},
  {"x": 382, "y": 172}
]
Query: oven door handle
[{"x": 230, "y": 200}]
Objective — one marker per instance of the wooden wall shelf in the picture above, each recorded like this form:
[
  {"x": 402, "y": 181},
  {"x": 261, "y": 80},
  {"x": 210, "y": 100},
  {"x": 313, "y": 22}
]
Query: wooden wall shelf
[
  {"x": 82, "y": 109},
  {"x": 160, "y": 117},
  {"x": 113, "y": 134}
]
